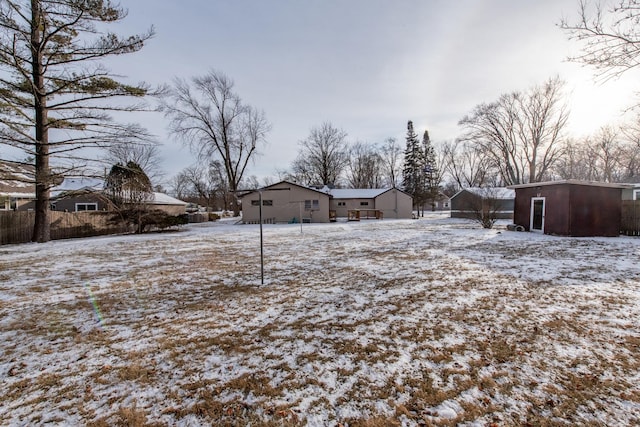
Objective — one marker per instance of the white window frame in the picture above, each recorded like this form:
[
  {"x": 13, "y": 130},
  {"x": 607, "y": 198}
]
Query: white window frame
[
  {"x": 544, "y": 208},
  {"x": 95, "y": 205},
  {"x": 312, "y": 205},
  {"x": 636, "y": 194}
]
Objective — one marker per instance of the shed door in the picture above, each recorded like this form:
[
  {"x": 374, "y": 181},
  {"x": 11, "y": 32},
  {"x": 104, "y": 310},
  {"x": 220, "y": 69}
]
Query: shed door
[{"x": 537, "y": 214}]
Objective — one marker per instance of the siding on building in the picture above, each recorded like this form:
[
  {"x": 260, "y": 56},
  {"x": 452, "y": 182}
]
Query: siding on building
[
  {"x": 572, "y": 208},
  {"x": 395, "y": 204},
  {"x": 286, "y": 202},
  {"x": 467, "y": 202}
]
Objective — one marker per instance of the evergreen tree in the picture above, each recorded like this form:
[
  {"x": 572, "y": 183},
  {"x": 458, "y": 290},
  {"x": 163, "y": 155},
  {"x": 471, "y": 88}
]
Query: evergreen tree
[
  {"x": 128, "y": 185},
  {"x": 431, "y": 174},
  {"x": 412, "y": 171},
  {"x": 54, "y": 93},
  {"x": 129, "y": 188}
]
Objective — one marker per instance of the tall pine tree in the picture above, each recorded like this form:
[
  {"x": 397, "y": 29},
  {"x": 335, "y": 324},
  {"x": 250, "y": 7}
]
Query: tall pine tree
[
  {"x": 54, "y": 93},
  {"x": 411, "y": 172},
  {"x": 431, "y": 174}
]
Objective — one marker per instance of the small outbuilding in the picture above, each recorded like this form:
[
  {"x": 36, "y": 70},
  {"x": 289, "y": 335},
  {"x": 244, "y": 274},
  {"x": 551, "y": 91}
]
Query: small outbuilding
[
  {"x": 569, "y": 208},
  {"x": 468, "y": 202}
]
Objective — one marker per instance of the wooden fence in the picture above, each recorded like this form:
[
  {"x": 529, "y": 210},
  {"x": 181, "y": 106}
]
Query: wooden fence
[
  {"x": 17, "y": 227},
  {"x": 630, "y": 221}
]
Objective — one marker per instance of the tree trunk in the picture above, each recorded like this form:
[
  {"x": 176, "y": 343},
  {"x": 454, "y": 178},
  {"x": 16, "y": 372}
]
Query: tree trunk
[{"x": 42, "y": 226}]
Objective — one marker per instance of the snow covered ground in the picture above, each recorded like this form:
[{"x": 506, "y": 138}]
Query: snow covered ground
[{"x": 419, "y": 322}]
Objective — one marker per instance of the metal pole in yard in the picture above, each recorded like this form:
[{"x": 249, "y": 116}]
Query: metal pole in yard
[
  {"x": 260, "y": 190},
  {"x": 261, "y": 241}
]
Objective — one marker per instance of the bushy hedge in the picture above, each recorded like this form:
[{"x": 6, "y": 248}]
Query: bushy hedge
[{"x": 148, "y": 220}]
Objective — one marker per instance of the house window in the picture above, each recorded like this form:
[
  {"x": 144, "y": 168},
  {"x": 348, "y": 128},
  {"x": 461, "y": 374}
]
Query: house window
[
  {"x": 264, "y": 203},
  {"x": 636, "y": 194},
  {"x": 81, "y": 207},
  {"x": 255, "y": 203},
  {"x": 311, "y": 205},
  {"x": 342, "y": 203},
  {"x": 364, "y": 203}
]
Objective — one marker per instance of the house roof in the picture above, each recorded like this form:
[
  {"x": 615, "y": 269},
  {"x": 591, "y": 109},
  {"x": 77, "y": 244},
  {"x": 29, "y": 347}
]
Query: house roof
[
  {"x": 17, "y": 179},
  {"x": 500, "y": 193},
  {"x": 164, "y": 199},
  {"x": 85, "y": 184},
  {"x": 283, "y": 182},
  {"x": 78, "y": 184},
  {"x": 336, "y": 193},
  {"x": 572, "y": 182},
  {"x": 356, "y": 193}
]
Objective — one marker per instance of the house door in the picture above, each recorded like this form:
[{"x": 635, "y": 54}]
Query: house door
[{"x": 537, "y": 214}]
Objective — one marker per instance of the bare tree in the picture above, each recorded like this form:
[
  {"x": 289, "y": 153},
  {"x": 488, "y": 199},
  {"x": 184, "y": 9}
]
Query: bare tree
[
  {"x": 205, "y": 183},
  {"x": 363, "y": 170},
  {"x": 632, "y": 151},
  {"x": 54, "y": 94},
  {"x": 209, "y": 116},
  {"x": 575, "y": 163},
  {"x": 391, "y": 162},
  {"x": 486, "y": 207},
  {"x": 607, "y": 152},
  {"x": 466, "y": 165},
  {"x": 322, "y": 157},
  {"x": 610, "y": 36},
  {"x": 604, "y": 157},
  {"x": 521, "y": 133},
  {"x": 180, "y": 186}
]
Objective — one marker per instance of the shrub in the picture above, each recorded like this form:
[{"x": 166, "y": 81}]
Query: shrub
[{"x": 147, "y": 220}]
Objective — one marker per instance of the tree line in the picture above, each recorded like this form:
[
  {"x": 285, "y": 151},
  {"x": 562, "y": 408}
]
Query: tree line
[{"x": 57, "y": 99}]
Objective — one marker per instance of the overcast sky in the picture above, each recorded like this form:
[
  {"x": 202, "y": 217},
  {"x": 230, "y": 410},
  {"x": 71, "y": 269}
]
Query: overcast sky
[{"x": 366, "y": 66}]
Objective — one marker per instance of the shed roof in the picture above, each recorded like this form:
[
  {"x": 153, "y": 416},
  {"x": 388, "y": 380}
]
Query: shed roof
[
  {"x": 500, "y": 193},
  {"x": 571, "y": 182}
]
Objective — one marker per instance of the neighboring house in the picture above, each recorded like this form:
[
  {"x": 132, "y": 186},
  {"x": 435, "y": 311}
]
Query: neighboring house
[
  {"x": 17, "y": 186},
  {"x": 467, "y": 202},
  {"x": 79, "y": 195},
  {"x": 569, "y": 208},
  {"x": 285, "y": 202},
  {"x": 442, "y": 202},
  {"x": 86, "y": 194},
  {"x": 390, "y": 202},
  {"x": 290, "y": 202},
  {"x": 631, "y": 193}
]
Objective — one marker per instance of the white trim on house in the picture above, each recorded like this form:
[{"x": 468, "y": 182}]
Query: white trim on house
[
  {"x": 86, "y": 206},
  {"x": 531, "y": 215}
]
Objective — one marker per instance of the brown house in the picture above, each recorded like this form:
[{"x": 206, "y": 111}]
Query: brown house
[{"x": 569, "y": 208}]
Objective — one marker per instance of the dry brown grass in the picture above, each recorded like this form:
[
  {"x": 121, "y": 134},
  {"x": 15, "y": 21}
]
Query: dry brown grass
[{"x": 395, "y": 335}]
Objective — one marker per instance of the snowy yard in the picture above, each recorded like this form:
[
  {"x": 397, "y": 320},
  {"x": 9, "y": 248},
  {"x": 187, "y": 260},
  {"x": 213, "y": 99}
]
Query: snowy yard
[{"x": 425, "y": 322}]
